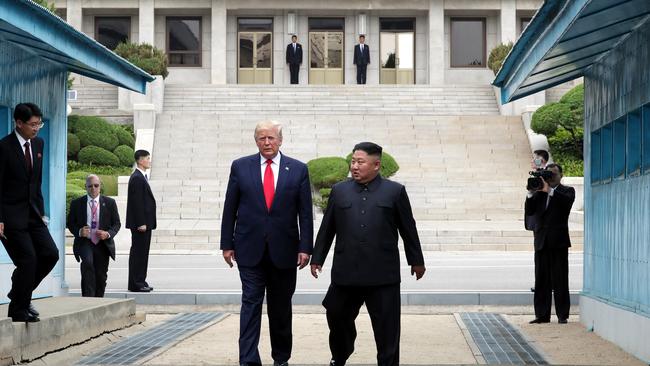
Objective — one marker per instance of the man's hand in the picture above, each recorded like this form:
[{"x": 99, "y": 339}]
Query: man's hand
[
  {"x": 142, "y": 228},
  {"x": 316, "y": 269},
  {"x": 229, "y": 257},
  {"x": 418, "y": 271},
  {"x": 84, "y": 232},
  {"x": 2, "y": 230},
  {"x": 103, "y": 235},
  {"x": 303, "y": 259},
  {"x": 546, "y": 188}
]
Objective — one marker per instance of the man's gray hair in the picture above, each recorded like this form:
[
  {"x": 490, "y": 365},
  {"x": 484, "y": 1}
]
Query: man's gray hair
[
  {"x": 91, "y": 176},
  {"x": 265, "y": 125}
]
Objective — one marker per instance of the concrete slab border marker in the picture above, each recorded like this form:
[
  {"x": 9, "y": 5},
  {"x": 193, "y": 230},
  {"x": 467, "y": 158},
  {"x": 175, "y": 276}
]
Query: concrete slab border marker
[{"x": 476, "y": 352}]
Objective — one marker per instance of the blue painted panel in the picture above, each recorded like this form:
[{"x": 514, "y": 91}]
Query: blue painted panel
[
  {"x": 5, "y": 126},
  {"x": 619, "y": 148},
  {"x": 596, "y": 174},
  {"x": 646, "y": 138},
  {"x": 44, "y": 133},
  {"x": 606, "y": 154},
  {"x": 634, "y": 143}
]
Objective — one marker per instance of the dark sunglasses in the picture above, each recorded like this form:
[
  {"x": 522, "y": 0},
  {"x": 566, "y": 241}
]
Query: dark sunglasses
[{"x": 93, "y": 186}]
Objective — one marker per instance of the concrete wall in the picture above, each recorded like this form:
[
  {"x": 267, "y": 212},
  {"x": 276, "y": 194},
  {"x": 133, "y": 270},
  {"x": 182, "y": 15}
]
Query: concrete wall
[
  {"x": 617, "y": 234},
  {"x": 33, "y": 80}
]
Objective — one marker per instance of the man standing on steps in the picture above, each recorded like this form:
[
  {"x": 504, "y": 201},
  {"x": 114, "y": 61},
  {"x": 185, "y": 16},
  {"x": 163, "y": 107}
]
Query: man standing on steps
[
  {"x": 141, "y": 219},
  {"x": 365, "y": 214},
  {"x": 361, "y": 59},
  {"x": 93, "y": 220},
  {"x": 551, "y": 206},
  {"x": 23, "y": 225},
  {"x": 267, "y": 227},
  {"x": 294, "y": 58}
]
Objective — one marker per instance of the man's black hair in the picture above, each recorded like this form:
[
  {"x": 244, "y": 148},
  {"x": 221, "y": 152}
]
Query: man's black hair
[
  {"x": 369, "y": 147},
  {"x": 140, "y": 154},
  {"x": 25, "y": 111},
  {"x": 542, "y": 153},
  {"x": 552, "y": 165}
]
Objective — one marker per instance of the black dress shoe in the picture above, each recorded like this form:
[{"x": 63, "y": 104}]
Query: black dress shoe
[
  {"x": 562, "y": 321},
  {"x": 141, "y": 289},
  {"x": 24, "y": 317},
  {"x": 539, "y": 321},
  {"x": 276, "y": 363},
  {"x": 32, "y": 310},
  {"x": 336, "y": 363},
  {"x": 532, "y": 289}
]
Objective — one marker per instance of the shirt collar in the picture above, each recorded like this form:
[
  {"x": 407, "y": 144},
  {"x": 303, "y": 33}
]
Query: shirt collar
[
  {"x": 96, "y": 199},
  {"x": 372, "y": 185},
  {"x": 276, "y": 159},
  {"x": 21, "y": 140},
  {"x": 141, "y": 171}
]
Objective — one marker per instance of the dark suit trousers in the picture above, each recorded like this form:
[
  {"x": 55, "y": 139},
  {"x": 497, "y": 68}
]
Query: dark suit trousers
[
  {"x": 94, "y": 269},
  {"x": 34, "y": 254},
  {"x": 139, "y": 259},
  {"x": 294, "y": 68},
  {"x": 361, "y": 74},
  {"x": 383, "y": 303},
  {"x": 280, "y": 285},
  {"x": 552, "y": 278}
]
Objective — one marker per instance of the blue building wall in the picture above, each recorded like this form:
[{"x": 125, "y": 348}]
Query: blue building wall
[
  {"x": 617, "y": 173},
  {"x": 29, "y": 78}
]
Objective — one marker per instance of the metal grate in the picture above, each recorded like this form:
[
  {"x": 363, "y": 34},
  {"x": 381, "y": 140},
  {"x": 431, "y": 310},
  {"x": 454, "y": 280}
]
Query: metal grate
[
  {"x": 129, "y": 350},
  {"x": 499, "y": 342}
]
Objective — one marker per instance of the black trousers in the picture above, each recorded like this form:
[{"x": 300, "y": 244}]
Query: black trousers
[
  {"x": 94, "y": 268},
  {"x": 294, "y": 69},
  {"x": 280, "y": 285},
  {"x": 552, "y": 279},
  {"x": 139, "y": 259},
  {"x": 34, "y": 254},
  {"x": 361, "y": 74},
  {"x": 383, "y": 303}
]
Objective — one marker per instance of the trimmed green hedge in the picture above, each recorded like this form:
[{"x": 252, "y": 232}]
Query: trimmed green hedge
[
  {"x": 93, "y": 155},
  {"x": 74, "y": 145},
  {"x": 124, "y": 137},
  {"x": 389, "y": 165},
  {"x": 125, "y": 154},
  {"x": 74, "y": 166},
  {"x": 95, "y": 131},
  {"x": 144, "y": 56},
  {"x": 72, "y": 192},
  {"x": 325, "y": 172},
  {"x": 549, "y": 117}
]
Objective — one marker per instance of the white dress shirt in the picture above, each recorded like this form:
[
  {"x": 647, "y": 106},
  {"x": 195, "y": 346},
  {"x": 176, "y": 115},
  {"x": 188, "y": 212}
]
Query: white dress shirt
[
  {"x": 89, "y": 214},
  {"x": 146, "y": 177},
  {"x": 275, "y": 167},
  {"x": 22, "y": 141}
]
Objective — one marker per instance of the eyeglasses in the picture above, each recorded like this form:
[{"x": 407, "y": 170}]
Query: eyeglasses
[
  {"x": 38, "y": 125},
  {"x": 93, "y": 186}
]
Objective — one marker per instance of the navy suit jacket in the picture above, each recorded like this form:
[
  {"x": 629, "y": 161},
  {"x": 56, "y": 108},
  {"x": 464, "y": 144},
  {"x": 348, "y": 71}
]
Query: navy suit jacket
[
  {"x": 249, "y": 228},
  {"x": 294, "y": 58},
  {"x": 361, "y": 58}
]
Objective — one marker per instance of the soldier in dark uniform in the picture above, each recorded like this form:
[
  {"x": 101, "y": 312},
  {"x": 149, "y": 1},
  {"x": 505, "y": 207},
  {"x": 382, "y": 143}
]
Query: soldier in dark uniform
[{"x": 365, "y": 214}]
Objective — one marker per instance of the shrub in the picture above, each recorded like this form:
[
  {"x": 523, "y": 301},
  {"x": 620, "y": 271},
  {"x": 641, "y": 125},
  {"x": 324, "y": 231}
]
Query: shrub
[
  {"x": 95, "y": 131},
  {"x": 565, "y": 142},
  {"x": 125, "y": 154},
  {"x": 109, "y": 185},
  {"x": 144, "y": 56},
  {"x": 124, "y": 137},
  {"x": 77, "y": 182},
  {"x": 575, "y": 100},
  {"x": 325, "y": 172},
  {"x": 78, "y": 174},
  {"x": 74, "y": 145},
  {"x": 74, "y": 166},
  {"x": 389, "y": 165},
  {"x": 497, "y": 55},
  {"x": 72, "y": 192},
  {"x": 549, "y": 117},
  {"x": 571, "y": 166},
  {"x": 93, "y": 155},
  {"x": 73, "y": 121}
]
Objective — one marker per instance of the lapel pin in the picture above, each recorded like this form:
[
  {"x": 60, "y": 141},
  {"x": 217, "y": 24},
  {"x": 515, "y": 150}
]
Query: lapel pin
[
  {"x": 286, "y": 168},
  {"x": 39, "y": 155}
]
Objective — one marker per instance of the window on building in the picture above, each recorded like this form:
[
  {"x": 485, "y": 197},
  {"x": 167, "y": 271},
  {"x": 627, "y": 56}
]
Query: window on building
[
  {"x": 645, "y": 122},
  {"x": 184, "y": 41},
  {"x": 397, "y": 24},
  {"x": 634, "y": 143},
  {"x": 596, "y": 157},
  {"x": 523, "y": 23},
  {"x": 619, "y": 148},
  {"x": 255, "y": 24},
  {"x": 606, "y": 154},
  {"x": 111, "y": 31},
  {"x": 468, "y": 42},
  {"x": 324, "y": 24}
]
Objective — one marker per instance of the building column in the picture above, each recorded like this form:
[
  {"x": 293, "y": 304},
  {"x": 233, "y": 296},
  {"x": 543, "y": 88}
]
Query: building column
[
  {"x": 74, "y": 14},
  {"x": 436, "y": 42},
  {"x": 146, "y": 22},
  {"x": 218, "y": 42},
  {"x": 508, "y": 21}
]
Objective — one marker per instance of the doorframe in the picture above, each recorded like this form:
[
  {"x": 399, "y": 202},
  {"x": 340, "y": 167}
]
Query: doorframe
[
  {"x": 342, "y": 30},
  {"x": 255, "y": 45},
  {"x": 415, "y": 34}
]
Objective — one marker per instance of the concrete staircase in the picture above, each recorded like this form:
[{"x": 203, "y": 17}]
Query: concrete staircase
[
  {"x": 94, "y": 96},
  {"x": 465, "y": 174}
]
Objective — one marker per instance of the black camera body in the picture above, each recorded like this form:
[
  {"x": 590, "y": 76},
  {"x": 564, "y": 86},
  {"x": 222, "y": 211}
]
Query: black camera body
[{"x": 537, "y": 178}]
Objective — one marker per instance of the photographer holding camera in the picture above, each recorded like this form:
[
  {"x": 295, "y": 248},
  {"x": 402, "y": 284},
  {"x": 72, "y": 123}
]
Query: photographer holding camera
[{"x": 549, "y": 203}]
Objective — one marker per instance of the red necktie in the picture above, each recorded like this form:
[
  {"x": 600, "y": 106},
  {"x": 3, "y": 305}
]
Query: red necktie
[
  {"x": 28, "y": 158},
  {"x": 269, "y": 187}
]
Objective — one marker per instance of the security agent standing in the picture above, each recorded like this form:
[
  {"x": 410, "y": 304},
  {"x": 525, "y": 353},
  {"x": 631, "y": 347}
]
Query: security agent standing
[
  {"x": 365, "y": 214},
  {"x": 361, "y": 59},
  {"x": 294, "y": 58},
  {"x": 94, "y": 221},
  {"x": 550, "y": 206}
]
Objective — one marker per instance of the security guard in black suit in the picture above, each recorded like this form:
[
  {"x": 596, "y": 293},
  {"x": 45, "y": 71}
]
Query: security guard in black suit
[
  {"x": 365, "y": 214},
  {"x": 294, "y": 58},
  {"x": 550, "y": 207}
]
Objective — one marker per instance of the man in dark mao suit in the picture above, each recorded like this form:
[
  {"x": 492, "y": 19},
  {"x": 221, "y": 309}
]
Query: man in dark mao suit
[
  {"x": 365, "y": 214},
  {"x": 23, "y": 228},
  {"x": 267, "y": 227},
  {"x": 141, "y": 219},
  {"x": 294, "y": 58},
  {"x": 550, "y": 207}
]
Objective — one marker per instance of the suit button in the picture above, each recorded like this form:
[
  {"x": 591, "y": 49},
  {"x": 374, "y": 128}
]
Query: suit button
[
  {"x": 363, "y": 225},
  {"x": 364, "y": 198},
  {"x": 363, "y": 212}
]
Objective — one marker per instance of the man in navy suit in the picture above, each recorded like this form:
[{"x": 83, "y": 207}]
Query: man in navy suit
[
  {"x": 267, "y": 227},
  {"x": 294, "y": 58},
  {"x": 141, "y": 219},
  {"x": 361, "y": 59},
  {"x": 23, "y": 227}
]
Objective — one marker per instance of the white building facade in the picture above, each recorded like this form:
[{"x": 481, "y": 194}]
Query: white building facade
[{"x": 433, "y": 42}]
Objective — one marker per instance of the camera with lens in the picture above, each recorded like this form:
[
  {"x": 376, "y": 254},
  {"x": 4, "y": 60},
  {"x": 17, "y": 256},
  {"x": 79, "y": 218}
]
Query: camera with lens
[{"x": 537, "y": 178}]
